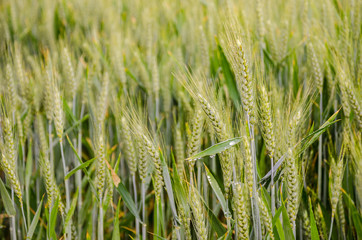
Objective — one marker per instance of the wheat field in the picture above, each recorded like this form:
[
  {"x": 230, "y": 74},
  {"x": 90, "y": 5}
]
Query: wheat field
[{"x": 181, "y": 119}]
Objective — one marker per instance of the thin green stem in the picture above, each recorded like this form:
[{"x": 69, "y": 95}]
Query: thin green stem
[
  {"x": 79, "y": 175},
  {"x": 136, "y": 201},
  {"x": 272, "y": 188},
  {"x": 143, "y": 196},
  {"x": 12, "y": 218},
  {"x": 254, "y": 199},
  {"x": 320, "y": 149},
  {"x": 331, "y": 228},
  {"x": 100, "y": 219},
  {"x": 66, "y": 186}
]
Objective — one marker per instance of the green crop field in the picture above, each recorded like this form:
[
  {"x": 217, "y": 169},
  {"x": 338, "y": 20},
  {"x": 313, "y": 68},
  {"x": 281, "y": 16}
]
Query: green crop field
[{"x": 181, "y": 119}]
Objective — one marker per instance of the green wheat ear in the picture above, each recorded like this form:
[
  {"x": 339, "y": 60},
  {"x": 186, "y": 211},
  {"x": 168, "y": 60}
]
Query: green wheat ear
[
  {"x": 240, "y": 206},
  {"x": 198, "y": 213}
]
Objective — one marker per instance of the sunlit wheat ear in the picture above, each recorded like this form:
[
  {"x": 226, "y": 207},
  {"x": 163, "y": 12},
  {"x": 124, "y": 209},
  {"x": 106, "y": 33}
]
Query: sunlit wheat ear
[
  {"x": 235, "y": 53},
  {"x": 260, "y": 18},
  {"x": 27, "y": 125},
  {"x": 185, "y": 221},
  {"x": 58, "y": 116},
  {"x": 341, "y": 216},
  {"x": 355, "y": 104},
  {"x": 205, "y": 58},
  {"x": 266, "y": 218},
  {"x": 12, "y": 177},
  {"x": 129, "y": 152},
  {"x": 57, "y": 195},
  {"x": 44, "y": 163},
  {"x": 109, "y": 189},
  {"x": 11, "y": 87},
  {"x": 320, "y": 221},
  {"x": 101, "y": 164},
  {"x": 293, "y": 130},
  {"x": 198, "y": 213},
  {"x": 143, "y": 161},
  {"x": 117, "y": 59},
  {"x": 335, "y": 183},
  {"x": 47, "y": 174},
  {"x": 194, "y": 142},
  {"x": 293, "y": 186},
  {"x": 18, "y": 61},
  {"x": 179, "y": 151},
  {"x": 10, "y": 152},
  {"x": 240, "y": 210},
  {"x": 19, "y": 125},
  {"x": 214, "y": 117},
  {"x": 155, "y": 156},
  {"x": 69, "y": 72},
  {"x": 41, "y": 134},
  {"x": 226, "y": 159},
  {"x": 306, "y": 224},
  {"x": 345, "y": 93},
  {"x": 101, "y": 106},
  {"x": 266, "y": 121},
  {"x": 48, "y": 92},
  {"x": 317, "y": 71},
  {"x": 248, "y": 165}
]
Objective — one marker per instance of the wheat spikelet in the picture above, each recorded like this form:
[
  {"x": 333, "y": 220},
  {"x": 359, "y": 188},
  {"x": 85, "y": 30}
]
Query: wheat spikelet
[
  {"x": 102, "y": 101},
  {"x": 48, "y": 93},
  {"x": 185, "y": 221},
  {"x": 241, "y": 212},
  {"x": 180, "y": 151},
  {"x": 11, "y": 177},
  {"x": 10, "y": 153},
  {"x": 220, "y": 130},
  {"x": 306, "y": 224},
  {"x": 205, "y": 58},
  {"x": 266, "y": 218},
  {"x": 260, "y": 18},
  {"x": 292, "y": 183},
  {"x": 248, "y": 165},
  {"x": 321, "y": 224},
  {"x": 266, "y": 121},
  {"x": 11, "y": 87},
  {"x": 41, "y": 134},
  {"x": 142, "y": 161},
  {"x": 317, "y": 72},
  {"x": 46, "y": 171},
  {"x": 194, "y": 142},
  {"x": 235, "y": 53},
  {"x": 109, "y": 189},
  {"x": 341, "y": 216},
  {"x": 28, "y": 120},
  {"x": 58, "y": 113},
  {"x": 20, "y": 71},
  {"x": 335, "y": 184},
  {"x": 355, "y": 104},
  {"x": 130, "y": 153},
  {"x": 101, "y": 164},
  {"x": 153, "y": 152},
  {"x": 198, "y": 213},
  {"x": 69, "y": 72}
]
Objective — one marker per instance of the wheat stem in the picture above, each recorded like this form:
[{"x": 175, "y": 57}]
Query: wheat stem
[
  {"x": 12, "y": 228},
  {"x": 79, "y": 174},
  {"x": 136, "y": 201},
  {"x": 143, "y": 196},
  {"x": 320, "y": 149},
  {"x": 331, "y": 228},
  {"x": 255, "y": 207},
  {"x": 100, "y": 220},
  {"x": 66, "y": 186}
]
